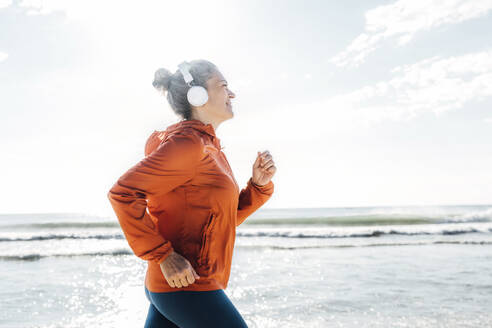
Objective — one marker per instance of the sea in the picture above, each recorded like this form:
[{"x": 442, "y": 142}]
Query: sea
[{"x": 414, "y": 266}]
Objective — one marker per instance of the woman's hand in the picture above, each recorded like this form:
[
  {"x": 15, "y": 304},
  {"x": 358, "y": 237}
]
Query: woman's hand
[
  {"x": 178, "y": 271},
  {"x": 263, "y": 168}
]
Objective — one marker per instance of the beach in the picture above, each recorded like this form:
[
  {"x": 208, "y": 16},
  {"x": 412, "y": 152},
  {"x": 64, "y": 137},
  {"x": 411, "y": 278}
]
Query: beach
[{"x": 334, "y": 267}]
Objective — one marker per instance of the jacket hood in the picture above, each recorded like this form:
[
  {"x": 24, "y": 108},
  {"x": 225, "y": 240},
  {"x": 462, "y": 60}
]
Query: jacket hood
[
  {"x": 195, "y": 124},
  {"x": 154, "y": 140}
]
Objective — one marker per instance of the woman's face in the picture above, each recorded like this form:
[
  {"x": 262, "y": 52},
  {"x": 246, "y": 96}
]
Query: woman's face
[{"x": 219, "y": 103}]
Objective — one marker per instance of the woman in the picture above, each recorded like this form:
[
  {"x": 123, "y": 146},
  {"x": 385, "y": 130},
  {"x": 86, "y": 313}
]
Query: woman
[{"x": 179, "y": 206}]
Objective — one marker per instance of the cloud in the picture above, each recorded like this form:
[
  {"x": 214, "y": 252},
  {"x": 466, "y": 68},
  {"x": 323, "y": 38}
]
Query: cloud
[
  {"x": 5, "y": 3},
  {"x": 434, "y": 85},
  {"x": 402, "y": 20},
  {"x": 3, "y": 56},
  {"x": 431, "y": 85}
]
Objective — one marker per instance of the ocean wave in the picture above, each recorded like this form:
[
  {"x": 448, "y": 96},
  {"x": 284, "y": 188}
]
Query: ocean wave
[
  {"x": 473, "y": 216},
  {"x": 361, "y": 219},
  {"x": 454, "y": 242},
  {"x": 455, "y": 229},
  {"x": 34, "y": 257},
  {"x": 371, "y": 220},
  {"x": 37, "y": 256},
  {"x": 365, "y": 234},
  {"x": 57, "y": 225},
  {"x": 62, "y": 236}
]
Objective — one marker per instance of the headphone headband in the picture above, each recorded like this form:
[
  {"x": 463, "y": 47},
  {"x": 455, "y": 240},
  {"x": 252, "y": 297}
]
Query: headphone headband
[{"x": 184, "y": 67}]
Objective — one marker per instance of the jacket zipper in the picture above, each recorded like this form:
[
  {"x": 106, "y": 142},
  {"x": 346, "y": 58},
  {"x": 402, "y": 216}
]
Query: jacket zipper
[{"x": 203, "y": 256}]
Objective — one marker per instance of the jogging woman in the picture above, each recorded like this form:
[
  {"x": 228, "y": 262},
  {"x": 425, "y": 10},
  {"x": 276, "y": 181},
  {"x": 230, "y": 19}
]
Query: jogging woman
[{"x": 180, "y": 205}]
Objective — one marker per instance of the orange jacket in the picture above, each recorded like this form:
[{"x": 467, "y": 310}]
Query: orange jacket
[{"x": 183, "y": 196}]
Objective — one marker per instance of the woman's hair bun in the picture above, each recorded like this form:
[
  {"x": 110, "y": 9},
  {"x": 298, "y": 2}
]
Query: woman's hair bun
[{"x": 162, "y": 79}]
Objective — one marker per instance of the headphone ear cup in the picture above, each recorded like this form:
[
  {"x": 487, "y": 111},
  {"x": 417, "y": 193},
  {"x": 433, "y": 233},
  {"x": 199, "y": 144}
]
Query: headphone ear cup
[{"x": 197, "y": 96}]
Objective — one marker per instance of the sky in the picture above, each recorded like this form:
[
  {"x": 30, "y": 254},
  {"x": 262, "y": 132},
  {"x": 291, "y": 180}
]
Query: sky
[{"x": 360, "y": 103}]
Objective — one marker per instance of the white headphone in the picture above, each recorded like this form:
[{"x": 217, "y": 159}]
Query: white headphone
[{"x": 197, "y": 95}]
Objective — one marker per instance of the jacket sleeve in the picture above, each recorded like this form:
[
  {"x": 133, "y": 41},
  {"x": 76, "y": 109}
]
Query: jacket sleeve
[
  {"x": 251, "y": 198},
  {"x": 172, "y": 164}
]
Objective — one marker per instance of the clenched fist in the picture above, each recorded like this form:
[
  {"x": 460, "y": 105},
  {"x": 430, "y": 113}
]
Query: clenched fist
[
  {"x": 178, "y": 271},
  {"x": 263, "y": 168}
]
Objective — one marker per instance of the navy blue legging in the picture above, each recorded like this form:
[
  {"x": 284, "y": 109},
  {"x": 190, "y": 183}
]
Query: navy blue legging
[{"x": 192, "y": 309}]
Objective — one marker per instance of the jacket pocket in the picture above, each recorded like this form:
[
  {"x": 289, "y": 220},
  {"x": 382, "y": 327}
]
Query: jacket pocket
[{"x": 203, "y": 257}]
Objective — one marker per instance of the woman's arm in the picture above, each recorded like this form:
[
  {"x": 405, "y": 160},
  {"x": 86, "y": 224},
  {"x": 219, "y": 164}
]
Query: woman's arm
[
  {"x": 251, "y": 198},
  {"x": 256, "y": 194},
  {"x": 172, "y": 164}
]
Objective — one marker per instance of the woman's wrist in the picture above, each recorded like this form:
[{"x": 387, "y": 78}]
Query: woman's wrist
[{"x": 256, "y": 184}]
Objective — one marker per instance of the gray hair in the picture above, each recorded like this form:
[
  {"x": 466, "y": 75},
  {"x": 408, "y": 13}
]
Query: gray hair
[{"x": 201, "y": 70}]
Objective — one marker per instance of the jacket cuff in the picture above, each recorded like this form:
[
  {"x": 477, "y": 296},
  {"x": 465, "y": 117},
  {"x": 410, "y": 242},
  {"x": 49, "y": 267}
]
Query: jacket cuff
[
  {"x": 161, "y": 257},
  {"x": 265, "y": 189}
]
